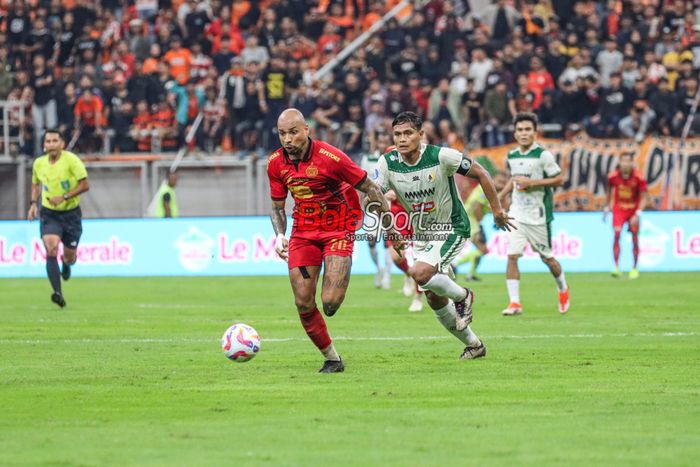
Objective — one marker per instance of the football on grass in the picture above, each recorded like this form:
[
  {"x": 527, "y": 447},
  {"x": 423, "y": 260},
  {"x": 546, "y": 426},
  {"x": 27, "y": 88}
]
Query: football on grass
[{"x": 240, "y": 343}]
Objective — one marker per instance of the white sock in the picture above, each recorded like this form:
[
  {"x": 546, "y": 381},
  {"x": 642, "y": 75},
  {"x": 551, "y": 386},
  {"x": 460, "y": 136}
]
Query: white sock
[
  {"x": 388, "y": 262},
  {"x": 513, "y": 290},
  {"x": 447, "y": 317},
  {"x": 442, "y": 285},
  {"x": 373, "y": 255},
  {"x": 561, "y": 282},
  {"x": 330, "y": 354}
]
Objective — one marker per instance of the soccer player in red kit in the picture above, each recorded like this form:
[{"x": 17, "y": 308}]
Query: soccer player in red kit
[
  {"x": 627, "y": 196},
  {"x": 322, "y": 180}
]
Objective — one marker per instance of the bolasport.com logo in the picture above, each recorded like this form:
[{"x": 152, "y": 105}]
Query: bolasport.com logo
[{"x": 371, "y": 224}]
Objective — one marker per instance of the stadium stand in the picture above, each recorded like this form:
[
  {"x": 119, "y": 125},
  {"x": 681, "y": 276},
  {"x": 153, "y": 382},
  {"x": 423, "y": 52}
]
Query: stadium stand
[{"x": 121, "y": 76}]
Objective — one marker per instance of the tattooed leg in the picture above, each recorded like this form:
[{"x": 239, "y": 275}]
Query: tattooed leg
[{"x": 336, "y": 277}]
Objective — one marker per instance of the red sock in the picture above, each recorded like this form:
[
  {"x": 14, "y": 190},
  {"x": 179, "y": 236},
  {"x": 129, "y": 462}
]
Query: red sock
[
  {"x": 616, "y": 248},
  {"x": 635, "y": 247},
  {"x": 403, "y": 265},
  {"x": 418, "y": 290},
  {"x": 315, "y": 328}
]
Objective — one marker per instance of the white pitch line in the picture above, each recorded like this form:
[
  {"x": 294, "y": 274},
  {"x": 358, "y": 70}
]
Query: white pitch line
[{"x": 339, "y": 338}]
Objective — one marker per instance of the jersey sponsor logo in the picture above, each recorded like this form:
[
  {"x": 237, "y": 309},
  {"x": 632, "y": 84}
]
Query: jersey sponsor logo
[
  {"x": 420, "y": 193},
  {"x": 423, "y": 207},
  {"x": 311, "y": 171},
  {"x": 274, "y": 156},
  {"x": 329, "y": 154},
  {"x": 301, "y": 191}
]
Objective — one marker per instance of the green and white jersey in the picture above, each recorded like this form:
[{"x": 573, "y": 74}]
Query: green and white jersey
[
  {"x": 533, "y": 206},
  {"x": 428, "y": 186}
]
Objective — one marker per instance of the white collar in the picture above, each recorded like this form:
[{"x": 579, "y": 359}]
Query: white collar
[{"x": 423, "y": 146}]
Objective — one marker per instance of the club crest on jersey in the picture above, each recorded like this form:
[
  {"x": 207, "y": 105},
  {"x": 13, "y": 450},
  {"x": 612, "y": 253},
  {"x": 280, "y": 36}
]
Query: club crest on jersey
[
  {"x": 311, "y": 171},
  {"x": 431, "y": 177},
  {"x": 65, "y": 184}
]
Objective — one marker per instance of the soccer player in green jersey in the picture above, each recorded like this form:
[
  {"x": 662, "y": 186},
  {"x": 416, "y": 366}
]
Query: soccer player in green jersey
[
  {"x": 58, "y": 179},
  {"x": 477, "y": 206},
  {"x": 534, "y": 173},
  {"x": 422, "y": 176}
]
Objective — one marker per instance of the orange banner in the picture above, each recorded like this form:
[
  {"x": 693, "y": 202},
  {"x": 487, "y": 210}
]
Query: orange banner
[{"x": 586, "y": 163}]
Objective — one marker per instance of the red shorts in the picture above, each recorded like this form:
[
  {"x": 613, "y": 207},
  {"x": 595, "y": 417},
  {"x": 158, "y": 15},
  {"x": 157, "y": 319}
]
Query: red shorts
[
  {"x": 622, "y": 216},
  {"x": 310, "y": 248},
  {"x": 402, "y": 222}
]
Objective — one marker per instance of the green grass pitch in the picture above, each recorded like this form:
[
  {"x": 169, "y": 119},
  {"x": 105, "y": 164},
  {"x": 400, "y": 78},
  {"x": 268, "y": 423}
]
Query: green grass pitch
[{"x": 131, "y": 373}]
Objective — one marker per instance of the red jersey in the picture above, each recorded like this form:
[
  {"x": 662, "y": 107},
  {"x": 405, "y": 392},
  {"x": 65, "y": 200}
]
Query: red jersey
[
  {"x": 627, "y": 191},
  {"x": 322, "y": 185}
]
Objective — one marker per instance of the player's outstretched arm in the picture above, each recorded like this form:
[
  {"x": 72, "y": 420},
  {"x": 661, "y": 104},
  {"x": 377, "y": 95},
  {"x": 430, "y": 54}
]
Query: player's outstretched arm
[
  {"x": 279, "y": 224},
  {"x": 500, "y": 216},
  {"x": 376, "y": 197},
  {"x": 506, "y": 191}
]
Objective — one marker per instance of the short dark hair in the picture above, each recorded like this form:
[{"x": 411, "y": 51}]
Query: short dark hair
[
  {"x": 408, "y": 117},
  {"x": 54, "y": 131},
  {"x": 525, "y": 117}
]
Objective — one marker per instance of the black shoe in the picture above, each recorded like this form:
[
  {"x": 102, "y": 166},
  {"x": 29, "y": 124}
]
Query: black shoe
[
  {"x": 65, "y": 272},
  {"x": 464, "y": 311},
  {"x": 57, "y": 298},
  {"x": 332, "y": 366}
]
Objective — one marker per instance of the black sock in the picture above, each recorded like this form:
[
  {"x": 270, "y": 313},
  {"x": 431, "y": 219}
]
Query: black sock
[{"x": 54, "y": 273}]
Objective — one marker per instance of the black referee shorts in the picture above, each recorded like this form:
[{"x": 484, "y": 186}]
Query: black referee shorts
[{"x": 66, "y": 224}]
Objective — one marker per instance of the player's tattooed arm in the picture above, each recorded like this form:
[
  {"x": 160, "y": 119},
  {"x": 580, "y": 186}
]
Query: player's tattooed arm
[
  {"x": 374, "y": 194},
  {"x": 279, "y": 217},
  {"x": 376, "y": 198},
  {"x": 279, "y": 223}
]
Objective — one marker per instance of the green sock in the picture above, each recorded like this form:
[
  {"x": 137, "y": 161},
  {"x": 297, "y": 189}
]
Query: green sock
[
  {"x": 465, "y": 259},
  {"x": 475, "y": 263},
  {"x": 468, "y": 258}
]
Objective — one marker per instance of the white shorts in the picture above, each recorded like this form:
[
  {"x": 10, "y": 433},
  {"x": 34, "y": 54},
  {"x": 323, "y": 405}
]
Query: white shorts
[
  {"x": 538, "y": 236},
  {"x": 441, "y": 252}
]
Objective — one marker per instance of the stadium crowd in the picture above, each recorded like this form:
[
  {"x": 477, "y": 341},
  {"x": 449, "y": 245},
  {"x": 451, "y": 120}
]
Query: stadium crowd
[{"x": 141, "y": 71}]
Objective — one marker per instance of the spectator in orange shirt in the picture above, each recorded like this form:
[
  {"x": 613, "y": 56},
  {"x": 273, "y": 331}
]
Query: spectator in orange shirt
[
  {"x": 142, "y": 127},
  {"x": 330, "y": 40},
  {"x": 179, "y": 60},
  {"x": 163, "y": 120},
  {"x": 538, "y": 80},
  {"x": 89, "y": 121}
]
